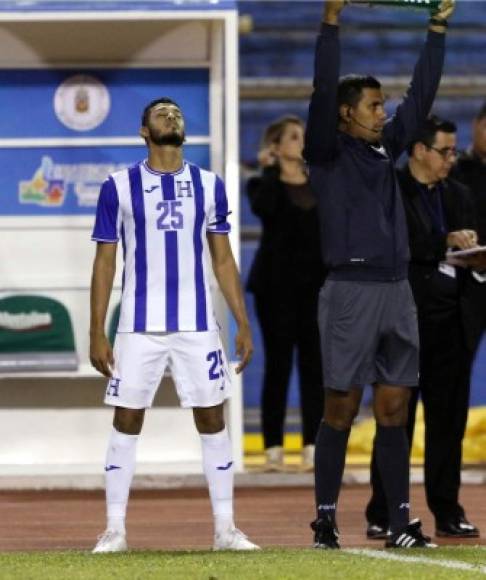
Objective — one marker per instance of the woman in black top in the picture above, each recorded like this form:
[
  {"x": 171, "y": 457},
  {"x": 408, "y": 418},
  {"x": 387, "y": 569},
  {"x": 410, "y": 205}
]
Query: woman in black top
[{"x": 285, "y": 278}]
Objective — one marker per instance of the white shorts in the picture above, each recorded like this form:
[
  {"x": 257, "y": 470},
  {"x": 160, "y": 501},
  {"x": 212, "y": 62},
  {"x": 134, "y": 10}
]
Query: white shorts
[{"x": 196, "y": 360}]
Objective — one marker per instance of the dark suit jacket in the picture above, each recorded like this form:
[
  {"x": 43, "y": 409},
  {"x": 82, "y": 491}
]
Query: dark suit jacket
[
  {"x": 471, "y": 171},
  {"x": 433, "y": 290}
]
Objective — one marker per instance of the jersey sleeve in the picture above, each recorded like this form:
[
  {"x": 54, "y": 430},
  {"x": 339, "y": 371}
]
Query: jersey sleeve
[
  {"x": 217, "y": 215},
  {"x": 107, "y": 223}
]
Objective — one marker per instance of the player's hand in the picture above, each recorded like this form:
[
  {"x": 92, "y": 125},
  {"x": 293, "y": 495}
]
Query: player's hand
[
  {"x": 244, "y": 347},
  {"x": 101, "y": 354},
  {"x": 445, "y": 10},
  {"x": 462, "y": 239}
]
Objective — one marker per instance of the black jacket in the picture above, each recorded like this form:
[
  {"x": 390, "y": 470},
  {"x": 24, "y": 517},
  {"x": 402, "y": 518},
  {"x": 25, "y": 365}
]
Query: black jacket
[
  {"x": 433, "y": 290},
  {"x": 288, "y": 258},
  {"x": 471, "y": 171},
  {"x": 363, "y": 229}
]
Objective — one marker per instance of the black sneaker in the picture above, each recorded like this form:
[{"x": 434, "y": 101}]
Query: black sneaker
[
  {"x": 377, "y": 532},
  {"x": 410, "y": 537},
  {"x": 326, "y": 534},
  {"x": 457, "y": 527}
]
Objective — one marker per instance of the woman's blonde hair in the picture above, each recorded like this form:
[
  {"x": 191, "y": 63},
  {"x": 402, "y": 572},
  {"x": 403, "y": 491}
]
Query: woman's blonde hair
[{"x": 273, "y": 133}]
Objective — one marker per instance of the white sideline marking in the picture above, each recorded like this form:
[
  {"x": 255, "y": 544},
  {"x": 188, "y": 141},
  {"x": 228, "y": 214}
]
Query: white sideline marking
[{"x": 381, "y": 555}]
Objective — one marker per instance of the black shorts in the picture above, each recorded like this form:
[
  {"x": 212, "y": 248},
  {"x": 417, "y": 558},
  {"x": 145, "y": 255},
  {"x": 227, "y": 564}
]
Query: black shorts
[{"x": 369, "y": 334}]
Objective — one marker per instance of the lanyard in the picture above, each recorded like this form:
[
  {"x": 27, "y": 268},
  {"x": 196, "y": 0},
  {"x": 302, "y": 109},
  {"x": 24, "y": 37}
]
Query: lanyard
[{"x": 434, "y": 207}]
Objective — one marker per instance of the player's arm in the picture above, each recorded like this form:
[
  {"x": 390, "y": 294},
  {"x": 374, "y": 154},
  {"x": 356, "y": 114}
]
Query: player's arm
[
  {"x": 320, "y": 136},
  {"x": 100, "y": 352},
  {"x": 418, "y": 101},
  {"x": 228, "y": 278}
]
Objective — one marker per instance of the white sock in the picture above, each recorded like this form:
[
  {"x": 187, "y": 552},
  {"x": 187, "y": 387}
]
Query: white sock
[
  {"x": 218, "y": 469},
  {"x": 119, "y": 470}
]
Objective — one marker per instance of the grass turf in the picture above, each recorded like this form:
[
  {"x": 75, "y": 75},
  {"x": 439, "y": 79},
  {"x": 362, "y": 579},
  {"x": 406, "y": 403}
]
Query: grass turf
[{"x": 268, "y": 564}]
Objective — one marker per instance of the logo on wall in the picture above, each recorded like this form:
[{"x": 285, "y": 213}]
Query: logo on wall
[
  {"x": 52, "y": 182},
  {"x": 22, "y": 321},
  {"x": 82, "y": 102},
  {"x": 43, "y": 189}
]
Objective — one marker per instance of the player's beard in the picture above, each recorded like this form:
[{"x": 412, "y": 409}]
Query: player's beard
[{"x": 175, "y": 139}]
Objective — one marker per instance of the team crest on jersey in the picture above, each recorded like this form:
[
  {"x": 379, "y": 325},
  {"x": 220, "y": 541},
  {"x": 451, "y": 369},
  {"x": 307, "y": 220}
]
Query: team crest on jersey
[
  {"x": 184, "y": 188},
  {"x": 82, "y": 102}
]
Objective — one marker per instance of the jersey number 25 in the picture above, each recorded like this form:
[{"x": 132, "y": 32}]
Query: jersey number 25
[{"x": 171, "y": 217}]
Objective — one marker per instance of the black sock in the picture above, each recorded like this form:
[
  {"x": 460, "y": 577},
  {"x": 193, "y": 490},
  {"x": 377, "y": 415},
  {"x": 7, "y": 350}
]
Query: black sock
[
  {"x": 329, "y": 461},
  {"x": 392, "y": 459}
]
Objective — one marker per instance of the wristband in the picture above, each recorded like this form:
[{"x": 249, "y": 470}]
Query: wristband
[{"x": 438, "y": 22}]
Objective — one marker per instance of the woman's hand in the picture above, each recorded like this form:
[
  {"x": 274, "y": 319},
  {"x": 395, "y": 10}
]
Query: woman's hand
[{"x": 267, "y": 156}]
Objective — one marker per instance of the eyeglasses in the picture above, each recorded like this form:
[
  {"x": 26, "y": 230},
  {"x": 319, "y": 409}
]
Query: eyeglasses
[{"x": 445, "y": 152}]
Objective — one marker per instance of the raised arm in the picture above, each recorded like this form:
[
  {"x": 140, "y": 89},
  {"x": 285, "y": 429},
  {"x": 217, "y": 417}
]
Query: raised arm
[
  {"x": 322, "y": 122},
  {"x": 418, "y": 101}
]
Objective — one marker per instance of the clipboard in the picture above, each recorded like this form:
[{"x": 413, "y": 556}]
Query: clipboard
[
  {"x": 459, "y": 257},
  {"x": 465, "y": 253}
]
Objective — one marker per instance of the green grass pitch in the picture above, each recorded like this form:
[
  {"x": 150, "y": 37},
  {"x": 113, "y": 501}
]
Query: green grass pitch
[{"x": 284, "y": 564}]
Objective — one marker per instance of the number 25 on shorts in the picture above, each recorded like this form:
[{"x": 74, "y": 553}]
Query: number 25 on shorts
[{"x": 215, "y": 357}]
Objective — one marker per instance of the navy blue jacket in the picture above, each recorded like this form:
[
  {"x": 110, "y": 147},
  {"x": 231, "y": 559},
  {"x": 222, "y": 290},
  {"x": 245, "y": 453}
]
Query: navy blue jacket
[{"x": 362, "y": 220}]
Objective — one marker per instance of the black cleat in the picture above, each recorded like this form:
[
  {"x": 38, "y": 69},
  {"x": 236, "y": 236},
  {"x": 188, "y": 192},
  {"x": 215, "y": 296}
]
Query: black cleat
[
  {"x": 377, "y": 532},
  {"x": 457, "y": 527},
  {"x": 410, "y": 537},
  {"x": 326, "y": 534}
]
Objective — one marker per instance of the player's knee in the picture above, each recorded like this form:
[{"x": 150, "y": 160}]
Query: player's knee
[
  {"x": 209, "y": 426},
  {"x": 392, "y": 414},
  {"x": 208, "y": 420},
  {"x": 128, "y": 421},
  {"x": 391, "y": 406},
  {"x": 340, "y": 418}
]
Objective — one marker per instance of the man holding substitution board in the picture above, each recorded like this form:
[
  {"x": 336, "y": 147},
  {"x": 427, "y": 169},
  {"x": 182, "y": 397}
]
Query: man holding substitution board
[{"x": 367, "y": 316}]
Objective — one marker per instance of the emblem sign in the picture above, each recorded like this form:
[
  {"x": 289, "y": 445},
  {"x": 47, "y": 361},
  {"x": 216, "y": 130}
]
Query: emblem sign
[{"x": 82, "y": 102}]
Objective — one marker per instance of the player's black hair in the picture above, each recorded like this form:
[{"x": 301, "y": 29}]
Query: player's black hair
[
  {"x": 162, "y": 100},
  {"x": 429, "y": 130},
  {"x": 481, "y": 113},
  {"x": 350, "y": 88}
]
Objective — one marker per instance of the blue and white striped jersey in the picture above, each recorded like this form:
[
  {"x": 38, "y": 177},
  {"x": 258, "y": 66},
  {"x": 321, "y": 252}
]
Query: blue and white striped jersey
[{"x": 162, "y": 219}]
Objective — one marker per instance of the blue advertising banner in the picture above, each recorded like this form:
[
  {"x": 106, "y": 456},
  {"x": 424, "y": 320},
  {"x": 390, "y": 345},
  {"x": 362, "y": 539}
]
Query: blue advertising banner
[
  {"x": 64, "y": 178},
  {"x": 66, "y": 181},
  {"x": 96, "y": 103},
  {"x": 94, "y": 5}
]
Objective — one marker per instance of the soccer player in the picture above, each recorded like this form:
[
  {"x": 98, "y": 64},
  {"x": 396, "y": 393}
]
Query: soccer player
[
  {"x": 367, "y": 316},
  {"x": 164, "y": 209}
]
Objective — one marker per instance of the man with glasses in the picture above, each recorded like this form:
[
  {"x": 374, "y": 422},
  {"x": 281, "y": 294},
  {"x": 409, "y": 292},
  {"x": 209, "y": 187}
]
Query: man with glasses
[{"x": 440, "y": 216}]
